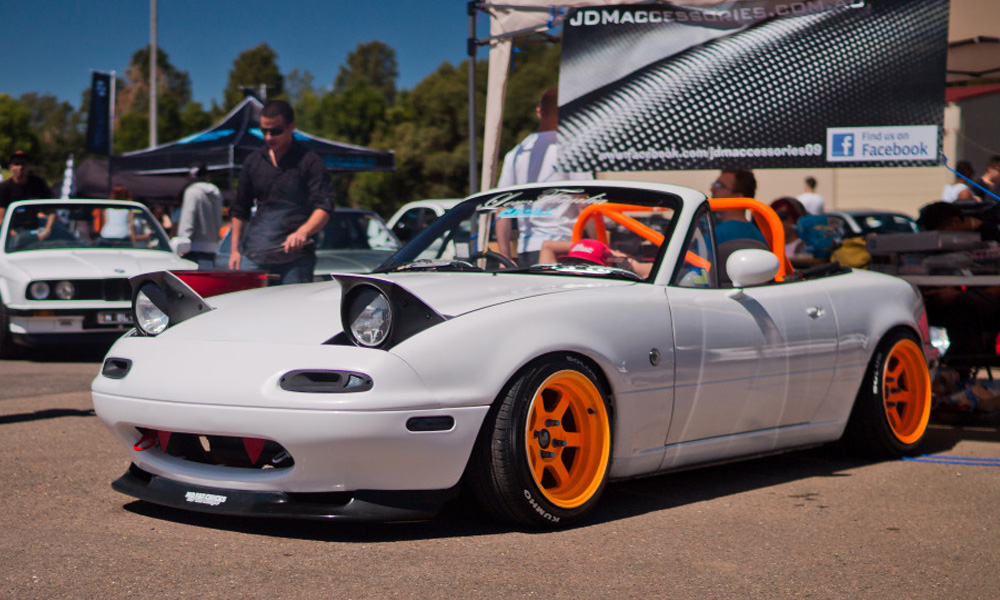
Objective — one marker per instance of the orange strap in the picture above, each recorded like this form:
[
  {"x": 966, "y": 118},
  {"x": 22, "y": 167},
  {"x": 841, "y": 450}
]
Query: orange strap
[
  {"x": 768, "y": 223},
  {"x": 694, "y": 260},
  {"x": 615, "y": 212}
]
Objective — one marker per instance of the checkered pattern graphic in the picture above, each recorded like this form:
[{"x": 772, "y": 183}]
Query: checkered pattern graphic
[{"x": 780, "y": 82}]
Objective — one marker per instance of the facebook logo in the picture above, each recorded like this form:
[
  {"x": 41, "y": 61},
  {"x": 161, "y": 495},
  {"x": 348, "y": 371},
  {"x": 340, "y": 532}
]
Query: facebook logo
[{"x": 843, "y": 144}]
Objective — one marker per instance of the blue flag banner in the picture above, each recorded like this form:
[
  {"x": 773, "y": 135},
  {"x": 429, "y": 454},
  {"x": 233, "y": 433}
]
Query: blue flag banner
[
  {"x": 99, "y": 120},
  {"x": 753, "y": 84}
]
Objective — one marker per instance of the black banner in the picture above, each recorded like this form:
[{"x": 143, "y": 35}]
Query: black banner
[
  {"x": 753, "y": 84},
  {"x": 99, "y": 120}
]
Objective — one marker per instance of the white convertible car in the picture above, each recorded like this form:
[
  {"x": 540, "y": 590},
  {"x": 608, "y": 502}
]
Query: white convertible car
[
  {"x": 65, "y": 266},
  {"x": 639, "y": 344}
]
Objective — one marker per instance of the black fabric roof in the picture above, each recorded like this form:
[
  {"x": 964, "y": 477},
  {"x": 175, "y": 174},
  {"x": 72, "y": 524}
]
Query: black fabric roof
[
  {"x": 227, "y": 144},
  {"x": 92, "y": 182}
]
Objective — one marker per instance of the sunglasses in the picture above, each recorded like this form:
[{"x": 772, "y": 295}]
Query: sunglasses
[{"x": 272, "y": 131}]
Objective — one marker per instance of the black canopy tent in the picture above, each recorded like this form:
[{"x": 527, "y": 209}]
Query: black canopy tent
[
  {"x": 92, "y": 182},
  {"x": 227, "y": 144}
]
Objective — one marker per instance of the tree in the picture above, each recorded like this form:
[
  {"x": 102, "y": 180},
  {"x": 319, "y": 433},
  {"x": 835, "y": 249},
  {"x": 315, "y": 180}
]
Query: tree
[
  {"x": 373, "y": 64},
  {"x": 298, "y": 84},
  {"x": 428, "y": 129},
  {"x": 194, "y": 118},
  {"x": 15, "y": 129},
  {"x": 353, "y": 115},
  {"x": 251, "y": 69},
  {"x": 173, "y": 91},
  {"x": 59, "y": 130},
  {"x": 131, "y": 132}
]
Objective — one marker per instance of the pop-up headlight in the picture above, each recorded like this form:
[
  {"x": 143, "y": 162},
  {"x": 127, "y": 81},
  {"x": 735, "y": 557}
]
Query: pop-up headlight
[
  {"x": 148, "y": 317},
  {"x": 376, "y": 313},
  {"x": 161, "y": 300},
  {"x": 370, "y": 316}
]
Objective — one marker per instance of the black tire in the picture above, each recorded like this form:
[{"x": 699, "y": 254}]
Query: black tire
[
  {"x": 7, "y": 347},
  {"x": 543, "y": 455},
  {"x": 893, "y": 406}
]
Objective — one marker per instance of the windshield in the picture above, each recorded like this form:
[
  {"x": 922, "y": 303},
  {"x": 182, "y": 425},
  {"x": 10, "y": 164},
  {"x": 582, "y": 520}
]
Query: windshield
[
  {"x": 589, "y": 230},
  {"x": 75, "y": 225},
  {"x": 356, "y": 230}
]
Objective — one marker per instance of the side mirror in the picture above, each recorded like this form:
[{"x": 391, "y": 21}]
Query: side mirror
[
  {"x": 751, "y": 267},
  {"x": 180, "y": 246}
]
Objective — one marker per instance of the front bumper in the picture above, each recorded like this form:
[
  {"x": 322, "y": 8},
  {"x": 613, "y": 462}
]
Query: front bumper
[
  {"x": 331, "y": 450},
  {"x": 398, "y": 435},
  {"x": 361, "y": 505},
  {"x": 41, "y": 327}
]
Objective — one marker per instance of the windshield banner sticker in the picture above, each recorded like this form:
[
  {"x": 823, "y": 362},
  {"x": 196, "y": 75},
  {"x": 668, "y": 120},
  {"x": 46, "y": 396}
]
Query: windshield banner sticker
[{"x": 514, "y": 205}]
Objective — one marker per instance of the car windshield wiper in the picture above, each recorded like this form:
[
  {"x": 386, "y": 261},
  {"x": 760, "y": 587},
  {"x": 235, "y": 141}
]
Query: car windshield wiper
[
  {"x": 431, "y": 264},
  {"x": 578, "y": 269}
]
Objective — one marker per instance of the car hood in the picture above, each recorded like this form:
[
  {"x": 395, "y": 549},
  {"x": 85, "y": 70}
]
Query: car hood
[
  {"x": 94, "y": 263},
  {"x": 349, "y": 261},
  {"x": 310, "y": 313}
]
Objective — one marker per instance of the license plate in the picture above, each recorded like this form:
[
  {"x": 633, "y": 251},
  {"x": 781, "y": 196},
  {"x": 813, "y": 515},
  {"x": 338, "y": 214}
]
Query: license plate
[{"x": 115, "y": 317}]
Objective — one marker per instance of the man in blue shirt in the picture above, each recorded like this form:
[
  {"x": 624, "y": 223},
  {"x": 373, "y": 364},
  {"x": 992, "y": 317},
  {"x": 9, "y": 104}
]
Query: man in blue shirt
[{"x": 733, "y": 224}]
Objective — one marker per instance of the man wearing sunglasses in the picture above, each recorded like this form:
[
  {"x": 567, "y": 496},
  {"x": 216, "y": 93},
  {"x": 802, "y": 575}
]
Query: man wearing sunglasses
[
  {"x": 733, "y": 224},
  {"x": 294, "y": 200}
]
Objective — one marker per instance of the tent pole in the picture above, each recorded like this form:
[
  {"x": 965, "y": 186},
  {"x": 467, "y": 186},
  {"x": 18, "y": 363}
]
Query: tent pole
[
  {"x": 473, "y": 7},
  {"x": 111, "y": 129},
  {"x": 232, "y": 174}
]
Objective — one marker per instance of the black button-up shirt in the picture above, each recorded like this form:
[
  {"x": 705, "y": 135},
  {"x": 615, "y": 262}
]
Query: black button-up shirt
[{"x": 286, "y": 197}]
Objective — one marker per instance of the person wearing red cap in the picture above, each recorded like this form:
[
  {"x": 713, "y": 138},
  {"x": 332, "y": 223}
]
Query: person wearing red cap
[
  {"x": 23, "y": 184},
  {"x": 591, "y": 251}
]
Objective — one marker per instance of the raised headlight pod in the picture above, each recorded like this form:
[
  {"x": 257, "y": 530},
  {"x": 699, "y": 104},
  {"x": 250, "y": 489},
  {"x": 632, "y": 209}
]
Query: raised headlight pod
[
  {"x": 65, "y": 290},
  {"x": 39, "y": 290},
  {"x": 376, "y": 313},
  {"x": 370, "y": 316},
  {"x": 161, "y": 300},
  {"x": 148, "y": 317}
]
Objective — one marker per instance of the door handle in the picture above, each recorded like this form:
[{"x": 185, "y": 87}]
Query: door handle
[{"x": 815, "y": 312}]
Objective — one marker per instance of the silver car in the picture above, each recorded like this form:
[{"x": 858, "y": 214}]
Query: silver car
[{"x": 353, "y": 241}]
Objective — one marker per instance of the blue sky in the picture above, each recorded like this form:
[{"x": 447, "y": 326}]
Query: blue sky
[{"x": 50, "y": 46}]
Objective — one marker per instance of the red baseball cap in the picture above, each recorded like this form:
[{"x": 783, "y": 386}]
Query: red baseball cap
[{"x": 591, "y": 251}]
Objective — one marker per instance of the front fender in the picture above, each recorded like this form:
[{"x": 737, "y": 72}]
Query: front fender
[{"x": 469, "y": 359}]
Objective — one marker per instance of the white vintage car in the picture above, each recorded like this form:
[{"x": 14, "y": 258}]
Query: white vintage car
[
  {"x": 65, "y": 266},
  {"x": 637, "y": 344}
]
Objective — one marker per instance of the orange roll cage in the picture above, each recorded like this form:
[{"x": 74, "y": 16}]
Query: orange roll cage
[{"x": 763, "y": 215}]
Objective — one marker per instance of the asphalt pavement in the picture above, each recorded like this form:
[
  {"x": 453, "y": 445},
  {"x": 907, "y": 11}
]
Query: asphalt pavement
[{"x": 807, "y": 524}]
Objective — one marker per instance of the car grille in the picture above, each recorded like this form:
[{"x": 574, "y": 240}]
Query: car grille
[
  {"x": 245, "y": 453},
  {"x": 116, "y": 289},
  {"x": 112, "y": 290}
]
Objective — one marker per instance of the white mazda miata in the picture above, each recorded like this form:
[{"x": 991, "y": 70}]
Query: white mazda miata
[
  {"x": 533, "y": 344},
  {"x": 65, "y": 266}
]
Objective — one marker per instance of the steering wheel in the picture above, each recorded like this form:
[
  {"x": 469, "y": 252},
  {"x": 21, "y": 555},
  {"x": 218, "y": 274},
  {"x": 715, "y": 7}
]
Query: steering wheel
[{"x": 489, "y": 254}]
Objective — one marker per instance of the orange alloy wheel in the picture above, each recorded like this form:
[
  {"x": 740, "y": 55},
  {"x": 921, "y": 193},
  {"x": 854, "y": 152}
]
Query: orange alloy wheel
[
  {"x": 906, "y": 391},
  {"x": 568, "y": 439}
]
